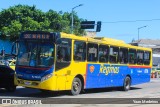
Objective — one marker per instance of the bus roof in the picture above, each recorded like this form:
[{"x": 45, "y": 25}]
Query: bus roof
[{"x": 104, "y": 40}]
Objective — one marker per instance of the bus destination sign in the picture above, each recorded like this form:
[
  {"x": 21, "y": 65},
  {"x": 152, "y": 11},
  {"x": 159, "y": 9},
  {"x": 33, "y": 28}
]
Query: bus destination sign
[{"x": 36, "y": 36}]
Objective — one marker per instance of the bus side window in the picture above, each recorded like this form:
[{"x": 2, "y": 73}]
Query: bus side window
[
  {"x": 59, "y": 54},
  {"x": 140, "y": 57},
  {"x": 63, "y": 54},
  {"x": 146, "y": 58},
  {"x": 123, "y": 56},
  {"x": 132, "y": 56},
  {"x": 113, "y": 54},
  {"x": 103, "y": 53},
  {"x": 64, "y": 51},
  {"x": 79, "y": 51},
  {"x": 92, "y": 52}
]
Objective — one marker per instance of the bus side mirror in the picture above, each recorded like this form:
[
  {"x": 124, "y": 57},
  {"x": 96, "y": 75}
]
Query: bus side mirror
[{"x": 14, "y": 50}]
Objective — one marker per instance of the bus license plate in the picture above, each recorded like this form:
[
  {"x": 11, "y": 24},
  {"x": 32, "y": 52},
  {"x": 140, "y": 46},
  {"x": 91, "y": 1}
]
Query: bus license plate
[{"x": 27, "y": 83}]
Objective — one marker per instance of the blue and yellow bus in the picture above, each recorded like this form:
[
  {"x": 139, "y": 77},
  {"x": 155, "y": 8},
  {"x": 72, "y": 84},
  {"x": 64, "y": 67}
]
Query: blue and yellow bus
[{"x": 60, "y": 61}]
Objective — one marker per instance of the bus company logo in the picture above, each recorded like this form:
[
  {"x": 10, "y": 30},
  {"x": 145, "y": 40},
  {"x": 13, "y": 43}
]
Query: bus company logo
[
  {"x": 91, "y": 68},
  {"x": 105, "y": 69}
]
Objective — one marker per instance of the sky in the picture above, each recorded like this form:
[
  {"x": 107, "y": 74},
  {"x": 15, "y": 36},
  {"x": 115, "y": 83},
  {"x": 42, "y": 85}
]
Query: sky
[{"x": 107, "y": 11}]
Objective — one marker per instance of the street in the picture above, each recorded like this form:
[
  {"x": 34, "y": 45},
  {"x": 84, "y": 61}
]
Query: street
[{"x": 147, "y": 90}]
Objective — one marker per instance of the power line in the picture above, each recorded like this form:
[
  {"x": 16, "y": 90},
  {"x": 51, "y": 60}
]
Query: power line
[{"x": 133, "y": 21}]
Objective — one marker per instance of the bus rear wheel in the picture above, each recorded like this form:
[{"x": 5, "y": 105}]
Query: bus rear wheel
[
  {"x": 127, "y": 84},
  {"x": 76, "y": 86}
]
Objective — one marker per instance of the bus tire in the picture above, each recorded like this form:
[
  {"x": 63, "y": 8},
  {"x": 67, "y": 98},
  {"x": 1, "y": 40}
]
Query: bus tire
[
  {"x": 76, "y": 86},
  {"x": 126, "y": 84}
]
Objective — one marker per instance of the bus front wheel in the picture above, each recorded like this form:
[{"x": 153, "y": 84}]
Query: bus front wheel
[
  {"x": 76, "y": 86},
  {"x": 126, "y": 84}
]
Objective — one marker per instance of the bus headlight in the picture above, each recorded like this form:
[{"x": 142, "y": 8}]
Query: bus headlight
[{"x": 46, "y": 77}]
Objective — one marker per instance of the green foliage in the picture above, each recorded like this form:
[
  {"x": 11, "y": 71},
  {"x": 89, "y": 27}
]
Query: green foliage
[{"x": 19, "y": 18}]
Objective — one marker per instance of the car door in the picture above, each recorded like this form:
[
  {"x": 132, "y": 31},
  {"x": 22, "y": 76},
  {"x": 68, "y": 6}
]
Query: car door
[
  {"x": 2, "y": 77},
  {"x": 6, "y": 76},
  {"x": 9, "y": 77}
]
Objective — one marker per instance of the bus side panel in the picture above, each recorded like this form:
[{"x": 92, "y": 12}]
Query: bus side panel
[
  {"x": 61, "y": 79},
  {"x": 135, "y": 76},
  {"x": 66, "y": 75},
  {"x": 119, "y": 74},
  {"x": 69, "y": 80},
  {"x": 147, "y": 76},
  {"x": 92, "y": 79},
  {"x": 77, "y": 68},
  {"x": 140, "y": 75},
  {"x": 105, "y": 75},
  {"x": 61, "y": 82}
]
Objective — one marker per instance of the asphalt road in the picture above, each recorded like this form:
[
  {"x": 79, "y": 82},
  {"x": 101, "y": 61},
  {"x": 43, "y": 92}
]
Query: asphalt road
[{"x": 147, "y": 90}]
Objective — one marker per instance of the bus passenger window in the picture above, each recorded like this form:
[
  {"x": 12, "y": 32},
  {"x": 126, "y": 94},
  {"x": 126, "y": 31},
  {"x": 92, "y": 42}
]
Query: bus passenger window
[
  {"x": 64, "y": 51},
  {"x": 132, "y": 56},
  {"x": 113, "y": 54},
  {"x": 79, "y": 51},
  {"x": 146, "y": 58},
  {"x": 103, "y": 53},
  {"x": 123, "y": 56},
  {"x": 140, "y": 57},
  {"x": 92, "y": 52},
  {"x": 62, "y": 54}
]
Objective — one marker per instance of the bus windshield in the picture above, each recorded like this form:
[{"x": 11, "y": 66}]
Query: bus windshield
[{"x": 35, "y": 54}]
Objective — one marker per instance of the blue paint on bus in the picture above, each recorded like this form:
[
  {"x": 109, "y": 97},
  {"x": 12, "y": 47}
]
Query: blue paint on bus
[
  {"x": 106, "y": 75},
  {"x": 32, "y": 74}
]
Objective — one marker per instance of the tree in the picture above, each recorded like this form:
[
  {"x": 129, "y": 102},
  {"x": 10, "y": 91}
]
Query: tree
[
  {"x": 19, "y": 18},
  {"x": 14, "y": 29},
  {"x": 30, "y": 24}
]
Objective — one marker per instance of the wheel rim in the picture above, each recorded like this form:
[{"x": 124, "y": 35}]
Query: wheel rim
[{"x": 76, "y": 86}]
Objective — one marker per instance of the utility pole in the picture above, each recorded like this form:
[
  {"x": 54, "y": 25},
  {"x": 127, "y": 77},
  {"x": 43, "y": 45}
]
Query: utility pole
[{"x": 73, "y": 18}]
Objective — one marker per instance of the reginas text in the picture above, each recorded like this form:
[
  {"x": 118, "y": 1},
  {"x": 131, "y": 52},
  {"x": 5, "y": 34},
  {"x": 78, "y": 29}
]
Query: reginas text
[{"x": 108, "y": 69}]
